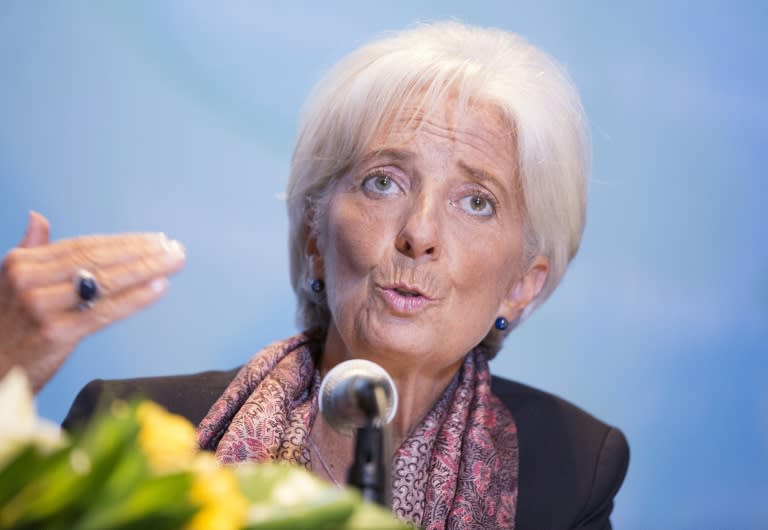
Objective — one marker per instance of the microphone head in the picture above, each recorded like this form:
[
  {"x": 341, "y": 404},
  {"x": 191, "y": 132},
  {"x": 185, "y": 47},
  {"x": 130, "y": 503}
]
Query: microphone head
[{"x": 355, "y": 392}]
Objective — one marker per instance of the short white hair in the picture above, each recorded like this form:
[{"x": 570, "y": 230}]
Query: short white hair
[{"x": 432, "y": 63}]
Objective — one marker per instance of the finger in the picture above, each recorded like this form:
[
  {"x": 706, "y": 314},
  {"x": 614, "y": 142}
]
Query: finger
[
  {"x": 118, "y": 278},
  {"x": 74, "y": 325},
  {"x": 28, "y": 275},
  {"x": 94, "y": 249},
  {"x": 38, "y": 231},
  {"x": 45, "y": 301}
]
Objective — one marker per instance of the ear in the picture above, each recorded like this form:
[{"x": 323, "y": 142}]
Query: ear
[
  {"x": 525, "y": 289},
  {"x": 314, "y": 255}
]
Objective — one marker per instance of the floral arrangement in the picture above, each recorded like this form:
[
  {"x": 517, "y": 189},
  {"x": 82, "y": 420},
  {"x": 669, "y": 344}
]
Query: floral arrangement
[{"x": 138, "y": 466}]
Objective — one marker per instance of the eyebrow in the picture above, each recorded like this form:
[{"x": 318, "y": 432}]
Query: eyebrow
[
  {"x": 479, "y": 174},
  {"x": 404, "y": 155},
  {"x": 397, "y": 155}
]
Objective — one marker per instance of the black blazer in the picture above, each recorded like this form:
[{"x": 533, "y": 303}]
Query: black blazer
[{"x": 571, "y": 464}]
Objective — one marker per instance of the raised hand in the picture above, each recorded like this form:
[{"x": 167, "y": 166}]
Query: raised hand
[{"x": 42, "y": 314}]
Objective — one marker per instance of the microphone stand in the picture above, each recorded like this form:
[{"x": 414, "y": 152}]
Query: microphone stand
[{"x": 368, "y": 471}]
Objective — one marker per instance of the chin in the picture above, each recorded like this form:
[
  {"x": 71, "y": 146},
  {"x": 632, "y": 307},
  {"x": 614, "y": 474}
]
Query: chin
[{"x": 399, "y": 343}]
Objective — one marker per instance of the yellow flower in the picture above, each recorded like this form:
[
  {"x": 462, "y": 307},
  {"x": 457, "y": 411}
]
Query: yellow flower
[
  {"x": 167, "y": 439},
  {"x": 170, "y": 444},
  {"x": 223, "y": 506}
]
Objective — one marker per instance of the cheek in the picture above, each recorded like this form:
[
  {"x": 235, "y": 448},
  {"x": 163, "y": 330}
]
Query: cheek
[
  {"x": 353, "y": 246},
  {"x": 488, "y": 269},
  {"x": 349, "y": 238}
]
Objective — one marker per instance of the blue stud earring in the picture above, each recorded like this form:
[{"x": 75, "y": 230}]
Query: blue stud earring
[
  {"x": 317, "y": 285},
  {"x": 501, "y": 323}
]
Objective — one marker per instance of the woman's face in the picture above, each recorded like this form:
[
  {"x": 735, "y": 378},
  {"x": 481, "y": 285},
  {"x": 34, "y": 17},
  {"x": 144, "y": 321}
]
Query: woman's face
[{"x": 421, "y": 246}]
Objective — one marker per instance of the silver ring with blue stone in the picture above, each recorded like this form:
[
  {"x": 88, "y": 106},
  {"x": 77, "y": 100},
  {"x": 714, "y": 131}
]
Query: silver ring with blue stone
[{"x": 86, "y": 288}]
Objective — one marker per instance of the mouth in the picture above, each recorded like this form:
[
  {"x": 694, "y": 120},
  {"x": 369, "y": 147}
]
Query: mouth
[
  {"x": 402, "y": 291},
  {"x": 403, "y": 299}
]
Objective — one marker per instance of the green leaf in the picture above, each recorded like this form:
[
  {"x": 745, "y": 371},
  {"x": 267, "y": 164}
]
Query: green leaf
[
  {"x": 66, "y": 484},
  {"x": 163, "y": 500},
  {"x": 25, "y": 466},
  {"x": 369, "y": 516},
  {"x": 329, "y": 510},
  {"x": 286, "y": 496}
]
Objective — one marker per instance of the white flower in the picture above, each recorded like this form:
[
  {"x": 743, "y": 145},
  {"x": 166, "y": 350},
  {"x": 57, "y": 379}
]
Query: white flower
[{"x": 19, "y": 424}]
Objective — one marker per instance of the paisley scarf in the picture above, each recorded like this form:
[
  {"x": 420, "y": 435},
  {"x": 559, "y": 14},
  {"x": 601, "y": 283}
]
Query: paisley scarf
[{"x": 457, "y": 469}]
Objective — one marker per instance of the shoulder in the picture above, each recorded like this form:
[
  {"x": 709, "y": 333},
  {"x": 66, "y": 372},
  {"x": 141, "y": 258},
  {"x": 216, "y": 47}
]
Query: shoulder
[
  {"x": 188, "y": 395},
  {"x": 571, "y": 464}
]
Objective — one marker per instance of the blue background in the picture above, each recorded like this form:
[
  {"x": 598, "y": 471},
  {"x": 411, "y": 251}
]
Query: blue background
[{"x": 180, "y": 117}]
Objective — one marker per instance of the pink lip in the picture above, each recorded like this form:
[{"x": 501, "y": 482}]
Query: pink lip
[{"x": 403, "y": 304}]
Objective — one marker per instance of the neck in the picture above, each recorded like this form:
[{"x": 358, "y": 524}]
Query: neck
[
  {"x": 417, "y": 394},
  {"x": 419, "y": 386}
]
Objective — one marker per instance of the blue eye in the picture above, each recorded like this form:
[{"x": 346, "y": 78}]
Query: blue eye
[
  {"x": 478, "y": 205},
  {"x": 381, "y": 184}
]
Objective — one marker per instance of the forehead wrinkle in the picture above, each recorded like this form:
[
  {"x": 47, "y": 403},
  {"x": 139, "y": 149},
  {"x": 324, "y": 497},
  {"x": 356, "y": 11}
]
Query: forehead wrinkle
[
  {"x": 460, "y": 128},
  {"x": 449, "y": 124}
]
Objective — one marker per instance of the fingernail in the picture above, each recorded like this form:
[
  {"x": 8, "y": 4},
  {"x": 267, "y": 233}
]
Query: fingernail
[
  {"x": 160, "y": 239},
  {"x": 159, "y": 285},
  {"x": 176, "y": 249}
]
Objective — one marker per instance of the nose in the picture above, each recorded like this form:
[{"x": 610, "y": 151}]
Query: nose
[{"x": 420, "y": 236}]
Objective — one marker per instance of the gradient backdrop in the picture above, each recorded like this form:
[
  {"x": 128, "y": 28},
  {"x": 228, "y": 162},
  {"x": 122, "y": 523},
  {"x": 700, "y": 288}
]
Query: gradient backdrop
[{"x": 180, "y": 116}]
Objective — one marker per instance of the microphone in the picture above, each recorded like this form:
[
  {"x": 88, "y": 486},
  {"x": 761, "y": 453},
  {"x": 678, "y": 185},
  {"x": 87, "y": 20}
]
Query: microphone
[
  {"x": 355, "y": 394},
  {"x": 358, "y": 397}
]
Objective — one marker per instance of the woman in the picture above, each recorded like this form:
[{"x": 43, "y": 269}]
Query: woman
[{"x": 437, "y": 194}]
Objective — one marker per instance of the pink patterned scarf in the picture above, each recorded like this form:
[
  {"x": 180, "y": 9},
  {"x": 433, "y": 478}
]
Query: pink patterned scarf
[{"x": 457, "y": 469}]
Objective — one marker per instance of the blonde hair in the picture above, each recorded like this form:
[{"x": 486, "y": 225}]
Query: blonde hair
[{"x": 366, "y": 89}]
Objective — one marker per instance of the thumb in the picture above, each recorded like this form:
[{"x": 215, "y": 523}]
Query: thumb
[{"x": 38, "y": 231}]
